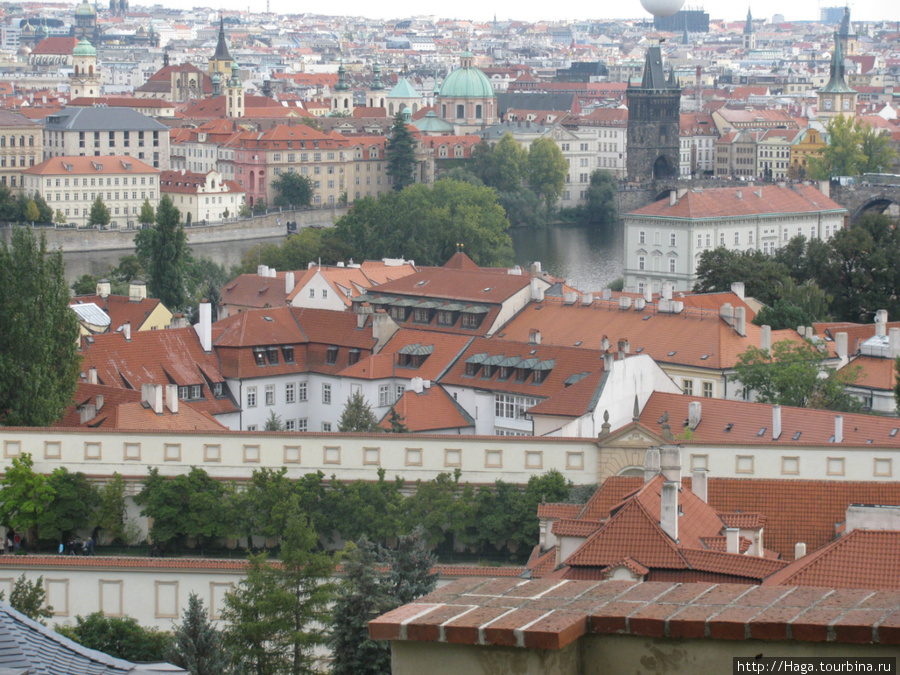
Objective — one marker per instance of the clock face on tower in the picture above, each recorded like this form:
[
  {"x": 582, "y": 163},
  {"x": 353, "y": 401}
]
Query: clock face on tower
[
  {"x": 827, "y": 104},
  {"x": 846, "y": 104}
]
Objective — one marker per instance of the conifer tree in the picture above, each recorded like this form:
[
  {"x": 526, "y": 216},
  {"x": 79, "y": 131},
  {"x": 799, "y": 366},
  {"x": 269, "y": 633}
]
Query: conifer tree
[
  {"x": 401, "y": 154},
  {"x": 358, "y": 415},
  {"x": 164, "y": 253},
  {"x": 196, "y": 644},
  {"x": 99, "y": 213}
]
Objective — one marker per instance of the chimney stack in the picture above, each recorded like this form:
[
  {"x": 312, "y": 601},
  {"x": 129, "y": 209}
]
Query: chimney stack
[
  {"x": 894, "y": 342},
  {"x": 670, "y": 463},
  {"x": 666, "y": 289},
  {"x": 204, "y": 327},
  {"x": 648, "y": 293},
  {"x": 727, "y": 313},
  {"x": 738, "y": 289},
  {"x": 262, "y": 270},
  {"x": 776, "y": 422},
  {"x": 537, "y": 291},
  {"x": 881, "y": 322},
  {"x": 126, "y": 331},
  {"x": 840, "y": 345},
  {"x": 694, "y": 414},
  {"x": 651, "y": 463},
  {"x": 416, "y": 384},
  {"x": 99, "y": 402},
  {"x": 87, "y": 412},
  {"x": 799, "y": 550},
  {"x": 92, "y": 375},
  {"x": 103, "y": 288},
  {"x": 288, "y": 283},
  {"x": 740, "y": 321},
  {"x": 172, "y": 398},
  {"x": 699, "y": 482},
  {"x": 152, "y": 395},
  {"x": 534, "y": 336},
  {"x": 732, "y": 540},
  {"x": 673, "y": 197},
  {"x": 838, "y": 428},
  {"x": 137, "y": 291},
  {"x": 668, "y": 509},
  {"x": 608, "y": 360},
  {"x": 765, "y": 338}
]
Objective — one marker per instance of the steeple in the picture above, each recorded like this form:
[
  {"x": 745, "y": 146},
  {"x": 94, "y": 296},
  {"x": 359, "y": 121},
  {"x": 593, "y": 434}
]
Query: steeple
[
  {"x": 836, "y": 98},
  {"x": 222, "y": 53},
  {"x": 654, "y": 74},
  {"x": 836, "y": 82},
  {"x": 749, "y": 37},
  {"x": 342, "y": 78},
  {"x": 748, "y": 27},
  {"x": 685, "y": 40},
  {"x": 216, "y": 83},
  {"x": 377, "y": 84}
]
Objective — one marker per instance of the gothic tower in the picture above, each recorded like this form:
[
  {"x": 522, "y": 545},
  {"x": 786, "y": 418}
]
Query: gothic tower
[
  {"x": 749, "y": 38},
  {"x": 836, "y": 98},
  {"x": 654, "y": 128},
  {"x": 221, "y": 61}
]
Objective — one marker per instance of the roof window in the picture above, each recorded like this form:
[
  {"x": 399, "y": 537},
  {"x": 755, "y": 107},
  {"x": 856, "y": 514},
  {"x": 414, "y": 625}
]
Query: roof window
[
  {"x": 288, "y": 353},
  {"x": 259, "y": 355}
]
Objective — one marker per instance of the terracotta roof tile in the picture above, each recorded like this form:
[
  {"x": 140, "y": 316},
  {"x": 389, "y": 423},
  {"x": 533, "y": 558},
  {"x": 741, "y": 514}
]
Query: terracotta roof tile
[
  {"x": 431, "y": 410},
  {"x": 559, "y": 510},
  {"x": 445, "y": 349},
  {"x": 121, "y": 309}
]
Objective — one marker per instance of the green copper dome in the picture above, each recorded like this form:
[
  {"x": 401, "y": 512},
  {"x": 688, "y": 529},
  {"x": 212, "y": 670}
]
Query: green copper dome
[
  {"x": 85, "y": 9},
  {"x": 84, "y": 48},
  {"x": 467, "y": 82}
]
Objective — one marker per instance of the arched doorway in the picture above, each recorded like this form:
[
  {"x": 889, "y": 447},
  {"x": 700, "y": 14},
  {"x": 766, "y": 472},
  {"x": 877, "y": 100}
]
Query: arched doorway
[{"x": 661, "y": 168}]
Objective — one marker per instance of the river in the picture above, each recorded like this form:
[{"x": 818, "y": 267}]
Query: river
[{"x": 586, "y": 258}]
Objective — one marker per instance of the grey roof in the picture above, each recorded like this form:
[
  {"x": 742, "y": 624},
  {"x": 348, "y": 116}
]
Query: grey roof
[
  {"x": 517, "y": 100},
  {"x": 28, "y": 647},
  {"x": 90, "y": 313},
  {"x": 654, "y": 72},
  {"x": 9, "y": 118},
  {"x": 499, "y": 130},
  {"x": 102, "y": 118}
]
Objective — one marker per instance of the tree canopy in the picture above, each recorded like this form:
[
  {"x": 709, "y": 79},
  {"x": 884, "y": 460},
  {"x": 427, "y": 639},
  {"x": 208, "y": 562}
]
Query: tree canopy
[
  {"x": 401, "y": 154},
  {"x": 99, "y": 215},
  {"x": 546, "y": 170},
  {"x": 600, "y": 210},
  {"x": 293, "y": 190},
  {"x": 196, "y": 643},
  {"x": 39, "y": 360},
  {"x": 164, "y": 253},
  {"x": 358, "y": 415},
  {"x": 120, "y": 637},
  {"x": 853, "y": 147}
]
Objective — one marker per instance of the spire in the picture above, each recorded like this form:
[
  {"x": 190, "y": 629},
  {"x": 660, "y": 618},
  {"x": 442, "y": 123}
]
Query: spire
[
  {"x": 342, "y": 78},
  {"x": 684, "y": 36},
  {"x": 748, "y": 27},
  {"x": 846, "y": 29},
  {"x": 654, "y": 74},
  {"x": 222, "y": 53},
  {"x": 636, "y": 414},
  {"x": 235, "y": 80},
  {"x": 837, "y": 83}
]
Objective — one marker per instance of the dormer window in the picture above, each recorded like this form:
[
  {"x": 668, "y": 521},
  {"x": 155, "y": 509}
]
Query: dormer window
[
  {"x": 421, "y": 315},
  {"x": 183, "y": 393},
  {"x": 288, "y": 353},
  {"x": 217, "y": 389},
  {"x": 331, "y": 356},
  {"x": 354, "y": 356},
  {"x": 445, "y": 318},
  {"x": 398, "y": 313},
  {"x": 272, "y": 355},
  {"x": 259, "y": 355},
  {"x": 196, "y": 391}
]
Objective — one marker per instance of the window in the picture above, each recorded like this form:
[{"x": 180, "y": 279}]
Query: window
[
  {"x": 671, "y": 264},
  {"x": 512, "y": 407},
  {"x": 331, "y": 355},
  {"x": 326, "y": 426},
  {"x": 737, "y": 238},
  {"x": 196, "y": 391},
  {"x": 790, "y": 466},
  {"x": 672, "y": 239},
  {"x": 259, "y": 355},
  {"x": 642, "y": 262},
  {"x": 272, "y": 355},
  {"x": 470, "y": 321},
  {"x": 326, "y": 394},
  {"x": 270, "y": 394},
  {"x": 251, "y": 397},
  {"x": 288, "y": 353},
  {"x": 302, "y": 424},
  {"x": 183, "y": 393},
  {"x": 289, "y": 393},
  {"x": 301, "y": 391},
  {"x": 707, "y": 389},
  {"x": 743, "y": 464},
  {"x": 400, "y": 391},
  {"x": 687, "y": 386},
  {"x": 312, "y": 293},
  {"x": 642, "y": 237},
  {"x": 217, "y": 389}
]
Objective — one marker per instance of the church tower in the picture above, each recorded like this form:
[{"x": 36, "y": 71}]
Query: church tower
[
  {"x": 234, "y": 94},
  {"x": 342, "y": 98},
  {"x": 836, "y": 98},
  {"x": 85, "y": 77},
  {"x": 221, "y": 61},
  {"x": 375, "y": 98},
  {"x": 654, "y": 124},
  {"x": 749, "y": 38},
  {"x": 849, "y": 39}
]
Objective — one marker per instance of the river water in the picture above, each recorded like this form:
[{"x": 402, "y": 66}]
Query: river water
[{"x": 588, "y": 259}]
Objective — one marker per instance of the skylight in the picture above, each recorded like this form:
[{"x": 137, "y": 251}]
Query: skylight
[{"x": 761, "y": 432}]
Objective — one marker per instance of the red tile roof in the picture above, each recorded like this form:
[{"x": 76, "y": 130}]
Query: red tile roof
[
  {"x": 431, "y": 410},
  {"x": 105, "y": 165},
  {"x": 254, "y": 291},
  {"x": 457, "y": 284},
  {"x": 56, "y": 46},
  {"x": 726, "y": 203},
  {"x": 121, "y": 309},
  {"x": 445, "y": 349},
  {"x": 550, "y": 511}
]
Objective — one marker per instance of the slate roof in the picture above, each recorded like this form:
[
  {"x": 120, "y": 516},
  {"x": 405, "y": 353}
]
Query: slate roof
[
  {"x": 38, "y": 650},
  {"x": 102, "y": 119}
]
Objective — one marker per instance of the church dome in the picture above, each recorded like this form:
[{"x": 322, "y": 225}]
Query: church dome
[
  {"x": 85, "y": 9},
  {"x": 467, "y": 81},
  {"x": 84, "y": 48}
]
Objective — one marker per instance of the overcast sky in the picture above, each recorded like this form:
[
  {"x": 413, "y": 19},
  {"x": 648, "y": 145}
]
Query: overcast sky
[{"x": 479, "y": 10}]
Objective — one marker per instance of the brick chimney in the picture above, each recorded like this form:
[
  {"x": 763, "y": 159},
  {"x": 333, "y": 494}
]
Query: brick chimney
[{"x": 776, "y": 422}]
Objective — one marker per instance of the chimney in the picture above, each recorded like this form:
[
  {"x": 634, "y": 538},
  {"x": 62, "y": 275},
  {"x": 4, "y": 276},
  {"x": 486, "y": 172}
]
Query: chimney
[
  {"x": 698, "y": 483},
  {"x": 799, "y": 550},
  {"x": 727, "y": 313},
  {"x": 172, "y": 398},
  {"x": 673, "y": 197},
  {"x": 608, "y": 360},
  {"x": 383, "y": 328},
  {"x": 288, "y": 283},
  {"x": 651, "y": 463},
  {"x": 695, "y": 414},
  {"x": 607, "y": 294},
  {"x": 840, "y": 345},
  {"x": 881, "y": 322},
  {"x": 666, "y": 290},
  {"x": 262, "y": 270},
  {"x": 272, "y": 273},
  {"x": 537, "y": 290},
  {"x": 137, "y": 291},
  {"x": 894, "y": 342},
  {"x": 416, "y": 384},
  {"x": 87, "y": 412},
  {"x": 152, "y": 396},
  {"x": 103, "y": 288},
  {"x": 776, "y": 422},
  {"x": 740, "y": 320},
  {"x": 126, "y": 331},
  {"x": 570, "y": 298},
  {"x": 739, "y": 194},
  {"x": 838, "y": 428},
  {"x": 648, "y": 293},
  {"x": 534, "y": 336},
  {"x": 204, "y": 327},
  {"x": 765, "y": 338},
  {"x": 825, "y": 187},
  {"x": 738, "y": 289},
  {"x": 668, "y": 510},
  {"x": 92, "y": 375},
  {"x": 670, "y": 463},
  {"x": 179, "y": 320},
  {"x": 604, "y": 343},
  {"x": 361, "y": 319},
  {"x": 587, "y": 299},
  {"x": 732, "y": 540}
]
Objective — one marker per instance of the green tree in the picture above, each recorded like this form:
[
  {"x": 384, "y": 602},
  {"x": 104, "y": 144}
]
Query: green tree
[
  {"x": 31, "y": 212},
  {"x": 273, "y": 423},
  {"x": 120, "y": 637},
  {"x": 547, "y": 170},
  {"x": 112, "y": 510},
  {"x": 853, "y": 147},
  {"x": 99, "y": 215},
  {"x": 794, "y": 374},
  {"x": 401, "y": 154},
  {"x": 522, "y": 206},
  {"x": 86, "y": 284},
  {"x": 147, "y": 215},
  {"x": 876, "y": 148},
  {"x": 164, "y": 253},
  {"x": 203, "y": 278},
  {"x": 196, "y": 644},
  {"x": 60, "y": 217},
  {"x": 28, "y": 598},
  {"x": 442, "y": 507},
  {"x": 506, "y": 168},
  {"x": 396, "y": 422},
  {"x": 260, "y": 206},
  {"x": 293, "y": 190},
  {"x": 600, "y": 202},
  {"x": 24, "y": 495},
  {"x": 266, "y": 505},
  {"x": 72, "y": 508},
  {"x": 762, "y": 275},
  {"x": 358, "y": 415},
  {"x": 411, "y": 568},
  {"x": 45, "y": 213},
  {"x": 367, "y": 508},
  {"x": 276, "y": 615},
  {"x": 39, "y": 360},
  {"x": 797, "y": 305}
]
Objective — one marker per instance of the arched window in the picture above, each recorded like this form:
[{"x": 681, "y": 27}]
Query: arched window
[
  {"x": 460, "y": 110},
  {"x": 12, "y": 141},
  {"x": 478, "y": 111}
]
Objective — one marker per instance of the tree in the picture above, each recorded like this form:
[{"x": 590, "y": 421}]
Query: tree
[
  {"x": 396, "y": 422},
  {"x": 72, "y": 508},
  {"x": 147, "y": 215},
  {"x": 522, "y": 206},
  {"x": 401, "y": 154},
  {"x": 794, "y": 374},
  {"x": 274, "y": 422},
  {"x": 60, "y": 217},
  {"x": 876, "y": 148},
  {"x": 39, "y": 360},
  {"x": 547, "y": 170},
  {"x": 28, "y": 598},
  {"x": 600, "y": 202},
  {"x": 24, "y": 495},
  {"x": 164, "y": 253},
  {"x": 502, "y": 166},
  {"x": 31, "y": 211},
  {"x": 111, "y": 514},
  {"x": 99, "y": 215},
  {"x": 86, "y": 284},
  {"x": 120, "y": 637},
  {"x": 276, "y": 615},
  {"x": 718, "y": 268},
  {"x": 410, "y": 568},
  {"x": 293, "y": 190},
  {"x": 797, "y": 305},
  {"x": 203, "y": 279},
  {"x": 196, "y": 644},
  {"x": 358, "y": 415},
  {"x": 442, "y": 507},
  {"x": 854, "y": 147}
]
